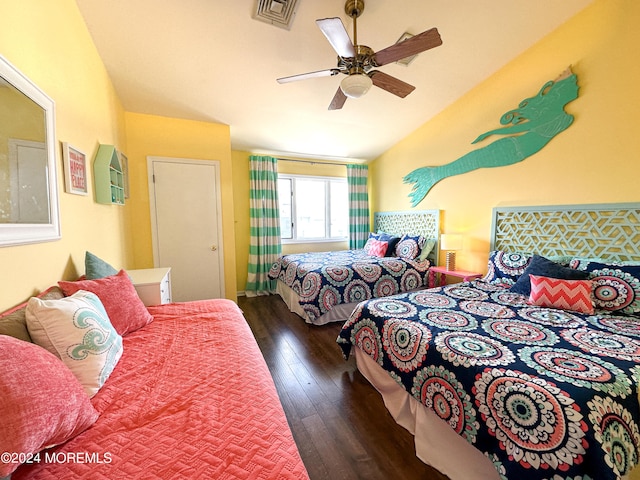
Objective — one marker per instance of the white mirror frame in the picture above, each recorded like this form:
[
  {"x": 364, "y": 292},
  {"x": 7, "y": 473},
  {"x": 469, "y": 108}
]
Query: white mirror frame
[{"x": 18, "y": 233}]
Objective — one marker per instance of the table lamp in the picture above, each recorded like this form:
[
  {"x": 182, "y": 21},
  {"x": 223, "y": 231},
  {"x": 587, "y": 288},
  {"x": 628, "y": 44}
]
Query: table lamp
[{"x": 450, "y": 242}]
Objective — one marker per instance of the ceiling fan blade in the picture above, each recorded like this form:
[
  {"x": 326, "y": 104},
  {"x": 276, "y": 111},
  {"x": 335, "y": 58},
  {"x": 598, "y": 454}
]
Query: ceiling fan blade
[
  {"x": 303, "y": 76},
  {"x": 411, "y": 46},
  {"x": 334, "y": 30},
  {"x": 391, "y": 84},
  {"x": 338, "y": 100}
]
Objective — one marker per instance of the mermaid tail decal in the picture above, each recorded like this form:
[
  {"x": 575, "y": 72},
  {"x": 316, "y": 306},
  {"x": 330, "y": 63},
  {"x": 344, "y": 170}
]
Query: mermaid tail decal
[
  {"x": 423, "y": 179},
  {"x": 535, "y": 122}
]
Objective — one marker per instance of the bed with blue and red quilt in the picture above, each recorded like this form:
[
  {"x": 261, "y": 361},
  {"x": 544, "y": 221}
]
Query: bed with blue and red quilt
[
  {"x": 529, "y": 373},
  {"x": 324, "y": 287}
]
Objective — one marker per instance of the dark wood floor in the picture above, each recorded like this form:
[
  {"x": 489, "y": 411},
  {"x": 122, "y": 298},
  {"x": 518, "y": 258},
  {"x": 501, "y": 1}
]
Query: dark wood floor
[{"x": 339, "y": 422}]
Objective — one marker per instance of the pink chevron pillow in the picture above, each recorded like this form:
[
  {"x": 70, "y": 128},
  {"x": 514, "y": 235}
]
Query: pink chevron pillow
[
  {"x": 376, "y": 248},
  {"x": 575, "y": 295}
]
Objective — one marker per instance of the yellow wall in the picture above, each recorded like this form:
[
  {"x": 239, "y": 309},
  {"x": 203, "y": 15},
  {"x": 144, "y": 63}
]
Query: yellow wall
[
  {"x": 151, "y": 135},
  {"x": 594, "y": 161},
  {"x": 49, "y": 43},
  {"x": 240, "y": 161}
]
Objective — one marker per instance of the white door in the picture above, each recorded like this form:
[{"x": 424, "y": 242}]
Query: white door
[
  {"x": 187, "y": 225},
  {"x": 29, "y": 182}
]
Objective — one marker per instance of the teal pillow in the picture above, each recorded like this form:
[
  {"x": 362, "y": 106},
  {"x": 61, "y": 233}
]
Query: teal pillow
[{"x": 95, "y": 268}]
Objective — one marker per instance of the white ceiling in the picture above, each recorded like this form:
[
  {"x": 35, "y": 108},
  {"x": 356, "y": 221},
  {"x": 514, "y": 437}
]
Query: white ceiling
[{"x": 209, "y": 60}]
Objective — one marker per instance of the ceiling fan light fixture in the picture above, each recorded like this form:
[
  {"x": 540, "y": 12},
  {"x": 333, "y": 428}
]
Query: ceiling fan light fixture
[{"x": 356, "y": 85}]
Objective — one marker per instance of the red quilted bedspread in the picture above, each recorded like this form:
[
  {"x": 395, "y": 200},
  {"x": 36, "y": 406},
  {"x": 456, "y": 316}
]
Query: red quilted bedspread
[{"x": 190, "y": 398}]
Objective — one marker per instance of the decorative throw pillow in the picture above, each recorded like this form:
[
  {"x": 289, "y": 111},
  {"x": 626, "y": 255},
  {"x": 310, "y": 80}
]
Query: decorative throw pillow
[
  {"x": 505, "y": 268},
  {"x": 42, "y": 404},
  {"x": 95, "y": 267},
  {"x": 376, "y": 248},
  {"x": 13, "y": 322},
  {"x": 119, "y": 297},
  {"x": 77, "y": 330},
  {"x": 410, "y": 246},
  {"x": 392, "y": 240},
  {"x": 615, "y": 287},
  {"x": 372, "y": 237},
  {"x": 575, "y": 295},
  {"x": 426, "y": 249},
  {"x": 544, "y": 267}
]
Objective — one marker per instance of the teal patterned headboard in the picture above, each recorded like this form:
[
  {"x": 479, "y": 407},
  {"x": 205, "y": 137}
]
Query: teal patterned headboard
[
  {"x": 415, "y": 222},
  {"x": 608, "y": 231}
]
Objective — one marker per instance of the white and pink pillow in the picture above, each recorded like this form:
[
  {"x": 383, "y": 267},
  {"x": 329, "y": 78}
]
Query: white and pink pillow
[
  {"x": 376, "y": 248},
  {"x": 77, "y": 330},
  {"x": 575, "y": 295}
]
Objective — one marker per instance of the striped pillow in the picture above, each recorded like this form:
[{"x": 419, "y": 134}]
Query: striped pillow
[{"x": 575, "y": 295}]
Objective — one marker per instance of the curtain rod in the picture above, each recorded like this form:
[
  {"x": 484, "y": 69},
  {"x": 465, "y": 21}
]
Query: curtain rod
[{"x": 314, "y": 162}]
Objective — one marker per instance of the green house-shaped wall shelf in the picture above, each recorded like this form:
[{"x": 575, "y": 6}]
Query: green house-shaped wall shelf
[{"x": 108, "y": 178}]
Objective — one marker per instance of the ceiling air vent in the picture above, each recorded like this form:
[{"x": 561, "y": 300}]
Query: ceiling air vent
[
  {"x": 406, "y": 60},
  {"x": 276, "y": 12}
]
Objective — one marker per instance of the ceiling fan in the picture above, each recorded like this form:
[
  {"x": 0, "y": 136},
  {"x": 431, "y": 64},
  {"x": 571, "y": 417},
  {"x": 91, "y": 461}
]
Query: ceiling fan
[{"x": 358, "y": 61}]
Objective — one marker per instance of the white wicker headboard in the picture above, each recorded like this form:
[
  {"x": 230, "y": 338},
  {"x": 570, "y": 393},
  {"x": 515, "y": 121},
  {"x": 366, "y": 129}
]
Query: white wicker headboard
[
  {"x": 414, "y": 222},
  {"x": 609, "y": 231}
]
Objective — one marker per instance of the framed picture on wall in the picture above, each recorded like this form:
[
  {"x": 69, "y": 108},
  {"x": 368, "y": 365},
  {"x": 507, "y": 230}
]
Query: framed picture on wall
[
  {"x": 75, "y": 170},
  {"x": 124, "y": 163}
]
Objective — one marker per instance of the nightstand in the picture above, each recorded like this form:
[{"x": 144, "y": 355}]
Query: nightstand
[
  {"x": 152, "y": 284},
  {"x": 465, "y": 276}
]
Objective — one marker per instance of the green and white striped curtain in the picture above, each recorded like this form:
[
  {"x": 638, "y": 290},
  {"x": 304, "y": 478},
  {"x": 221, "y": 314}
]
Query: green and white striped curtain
[
  {"x": 264, "y": 246},
  {"x": 358, "y": 205}
]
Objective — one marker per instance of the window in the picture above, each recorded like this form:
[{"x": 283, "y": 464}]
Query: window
[{"x": 313, "y": 208}]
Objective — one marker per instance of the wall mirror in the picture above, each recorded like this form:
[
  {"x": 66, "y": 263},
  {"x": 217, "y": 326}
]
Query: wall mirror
[{"x": 28, "y": 185}]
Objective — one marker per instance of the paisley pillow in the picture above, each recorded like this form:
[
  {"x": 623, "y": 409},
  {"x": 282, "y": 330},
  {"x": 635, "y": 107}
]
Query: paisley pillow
[
  {"x": 615, "y": 287},
  {"x": 77, "y": 330},
  {"x": 505, "y": 268},
  {"x": 410, "y": 246}
]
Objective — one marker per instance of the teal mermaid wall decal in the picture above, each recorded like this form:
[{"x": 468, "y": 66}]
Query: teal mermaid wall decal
[{"x": 531, "y": 126}]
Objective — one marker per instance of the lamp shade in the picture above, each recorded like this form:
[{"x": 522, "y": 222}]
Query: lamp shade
[
  {"x": 356, "y": 85},
  {"x": 451, "y": 241}
]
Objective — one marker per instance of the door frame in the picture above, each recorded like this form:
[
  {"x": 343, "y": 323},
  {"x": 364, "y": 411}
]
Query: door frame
[{"x": 153, "y": 213}]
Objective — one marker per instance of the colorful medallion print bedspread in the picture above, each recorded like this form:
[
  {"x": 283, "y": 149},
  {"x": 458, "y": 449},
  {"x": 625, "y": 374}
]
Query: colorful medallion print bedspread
[
  {"x": 544, "y": 393},
  {"x": 325, "y": 279}
]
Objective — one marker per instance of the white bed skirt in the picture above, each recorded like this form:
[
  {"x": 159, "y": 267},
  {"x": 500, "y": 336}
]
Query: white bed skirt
[{"x": 436, "y": 442}]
